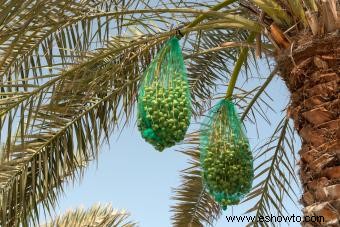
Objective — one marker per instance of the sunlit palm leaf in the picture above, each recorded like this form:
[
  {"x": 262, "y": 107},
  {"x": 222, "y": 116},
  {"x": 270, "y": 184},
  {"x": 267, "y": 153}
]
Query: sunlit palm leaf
[{"x": 96, "y": 216}]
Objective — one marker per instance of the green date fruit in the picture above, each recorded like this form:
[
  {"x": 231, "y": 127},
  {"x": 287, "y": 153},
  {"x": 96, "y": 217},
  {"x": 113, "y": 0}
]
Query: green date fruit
[
  {"x": 228, "y": 170},
  {"x": 166, "y": 113}
]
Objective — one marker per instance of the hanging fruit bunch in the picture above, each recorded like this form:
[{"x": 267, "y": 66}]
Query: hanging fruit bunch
[
  {"x": 226, "y": 159},
  {"x": 164, "y": 107}
]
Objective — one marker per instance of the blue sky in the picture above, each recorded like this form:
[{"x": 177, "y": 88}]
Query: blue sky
[{"x": 132, "y": 175}]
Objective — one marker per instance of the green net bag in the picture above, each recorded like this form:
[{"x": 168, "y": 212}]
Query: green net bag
[
  {"x": 164, "y": 107},
  {"x": 226, "y": 159}
]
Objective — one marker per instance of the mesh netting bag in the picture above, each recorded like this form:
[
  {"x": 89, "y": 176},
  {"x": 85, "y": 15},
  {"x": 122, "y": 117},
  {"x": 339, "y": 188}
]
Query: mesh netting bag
[
  {"x": 226, "y": 159},
  {"x": 164, "y": 107}
]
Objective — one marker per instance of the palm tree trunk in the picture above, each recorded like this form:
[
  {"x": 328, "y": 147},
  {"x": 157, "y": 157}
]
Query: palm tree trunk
[{"x": 311, "y": 70}]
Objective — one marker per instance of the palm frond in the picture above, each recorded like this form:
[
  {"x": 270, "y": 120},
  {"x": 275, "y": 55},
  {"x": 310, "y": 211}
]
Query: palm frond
[
  {"x": 58, "y": 44},
  {"x": 85, "y": 105},
  {"x": 98, "y": 215},
  {"x": 256, "y": 103},
  {"x": 195, "y": 207},
  {"x": 275, "y": 11},
  {"x": 24, "y": 73},
  {"x": 51, "y": 41},
  {"x": 275, "y": 178}
]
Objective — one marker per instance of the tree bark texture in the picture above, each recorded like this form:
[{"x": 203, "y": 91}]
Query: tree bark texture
[{"x": 311, "y": 70}]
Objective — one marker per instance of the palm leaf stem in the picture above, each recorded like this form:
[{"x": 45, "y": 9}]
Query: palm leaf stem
[
  {"x": 224, "y": 46},
  {"x": 258, "y": 93},
  {"x": 214, "y": 8},
  {"x": 272, "y": 165},
  {"x": 241, "y": 59}
]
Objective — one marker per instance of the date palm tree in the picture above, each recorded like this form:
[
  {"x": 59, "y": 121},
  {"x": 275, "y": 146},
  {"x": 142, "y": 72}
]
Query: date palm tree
[{"x": 69, "y": 76}]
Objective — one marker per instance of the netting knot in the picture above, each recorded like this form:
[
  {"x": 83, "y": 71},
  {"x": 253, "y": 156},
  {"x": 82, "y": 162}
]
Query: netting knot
[{"x": 179, "y": 34}]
